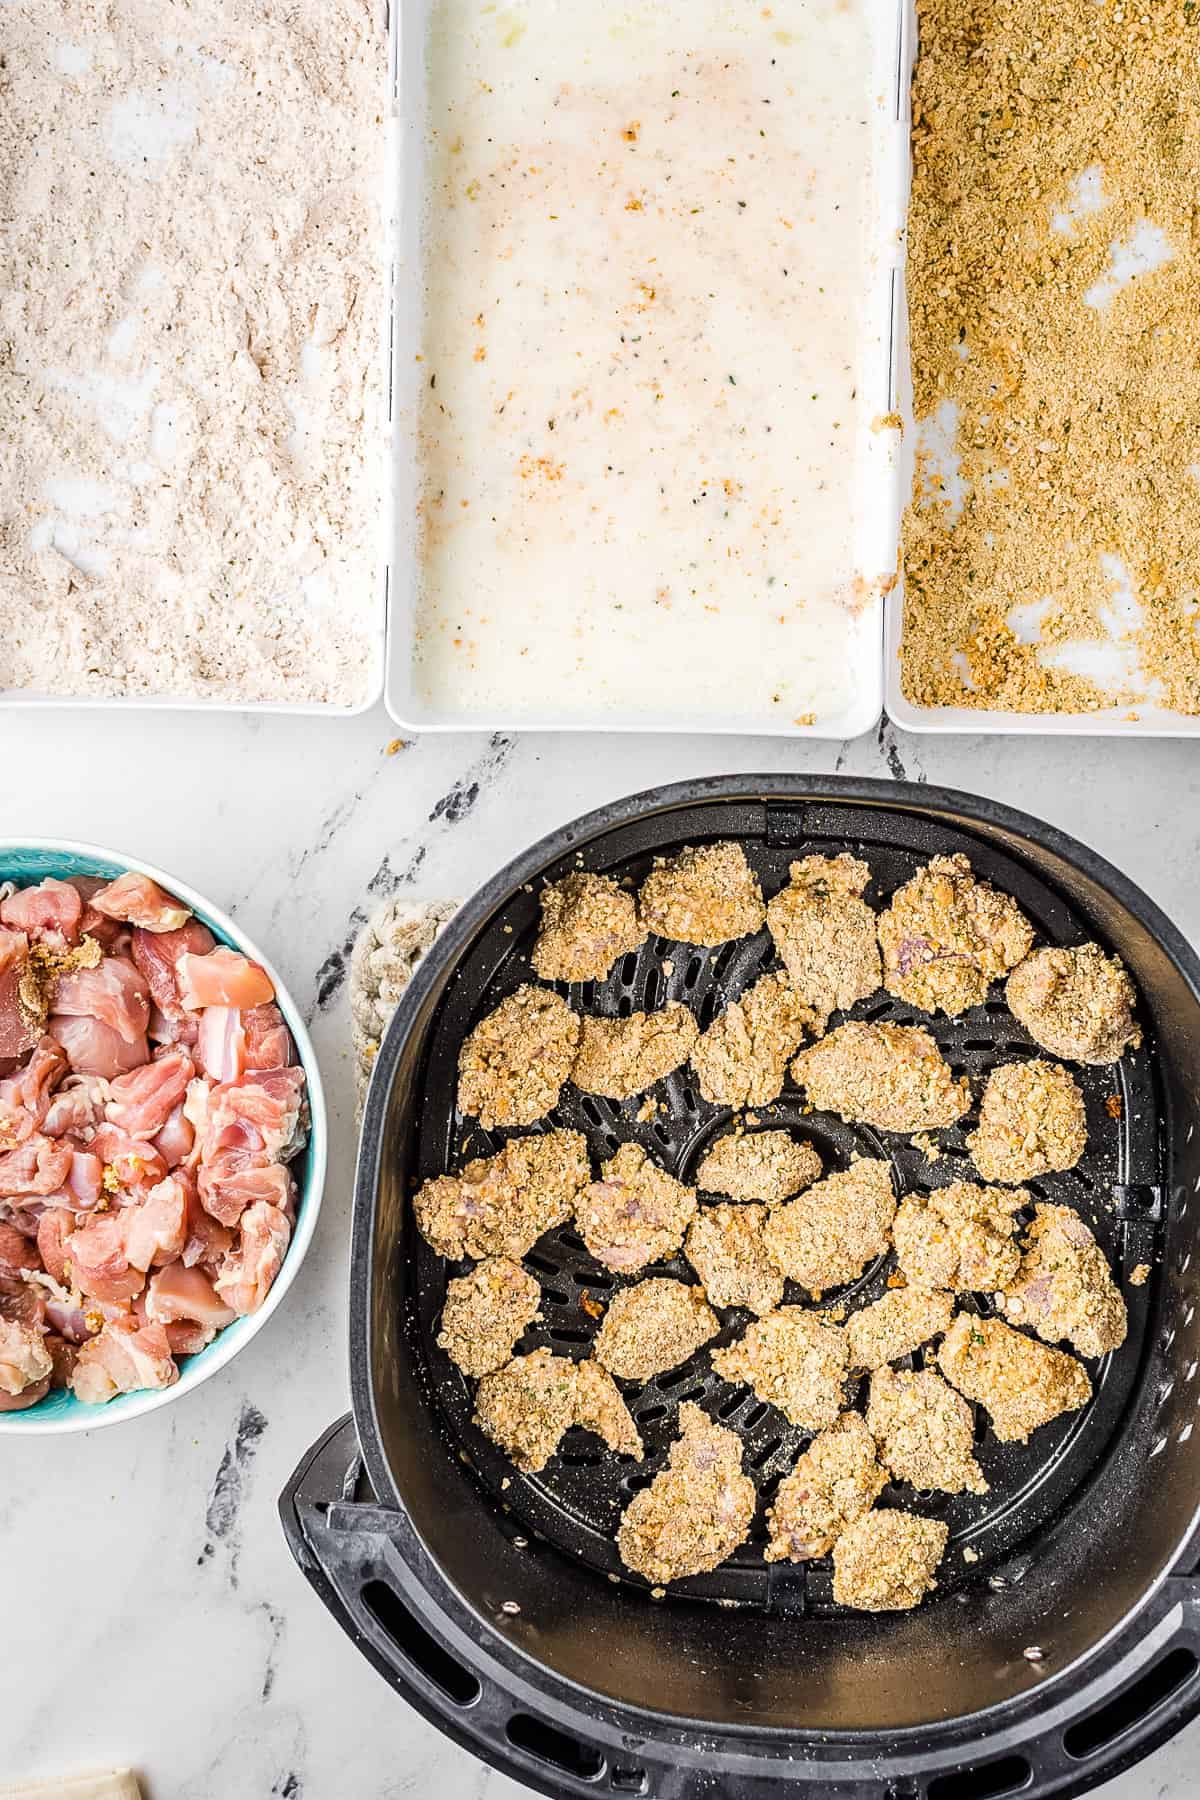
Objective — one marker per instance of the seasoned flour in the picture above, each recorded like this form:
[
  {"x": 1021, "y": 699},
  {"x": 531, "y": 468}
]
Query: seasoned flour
[{"x": 191, "y": 295}]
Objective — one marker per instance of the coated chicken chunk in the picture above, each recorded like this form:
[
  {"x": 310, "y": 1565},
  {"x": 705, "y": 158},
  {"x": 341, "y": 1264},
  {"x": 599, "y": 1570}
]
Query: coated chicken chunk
[
  {"x": 588, "y": 922},
  {"x": 703, "y": 896},
  {"x": 901, "y": 1322},
  {"x": 828, "y": 1235},
  {"x": 824, "y": 932},
  {"x": 794, "y": 1360},
  {"x": 925, "y": 1431},
  {"x": 528, "y": 1405},
  {"x": 959, "y": 1237},
  {"x": 1075, "y": 1003},
  {"x": 1031, "y": 1122},
  {"x": 1064, "y": 1286},
  {"x": 696, "y": 1512},
  {"x": 512, "y": 1067},
  {"x": 500, "y": 1205},
  {"x": 886, "y": 1561},
  {"x": 835, "y": 1481},
  {"x": 725, "y": 1247},
  {"x": 946, "y": 937},
  {"x": 759, "y": 1165},
  {"x": 486, "y": 1312},
  {"x": 636, "y": 1214},
  {"x": 1021, "y": 1383},
  {"x": 652, "y": 1327},
  {"x": 623, "y": 1057},
  {"x": 891, "y": 1076},
  {"x": 742, "y": 1059}
]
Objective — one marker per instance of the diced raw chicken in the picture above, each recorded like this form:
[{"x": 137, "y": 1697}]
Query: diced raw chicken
[
  {"x": 175, "y": 1141},
  {"x": 222, "y": 977},
  {"x": 85, "y": 1179},
  {"x": 25, "y": 1361},
  {"x": 92, "y": 923},
  {"x": 249, "y": 1269},
  {"x": 156, "y": 1228},
  {"x": 142, "y": 1101},
  {"x": 115, "y": 992},
  {"x": 183, "y": 1029},
  {"x": 136, "y": 900},
  {"x": 63, "y": 1352},
  {"x": 157, "y": 955},
  {"x": 135, "y": 1161},
  {"x": 207, "y": 1239},
  {"x": 268, "y": 1103},
  {"x": 50, "y": 912},
  {"x": 93, "y": 1048},
  {"x": 20, "y": 1026},
  {"x": 98, "y": 1259},
  {"x": 177, "y": 1293},
  {"x": 268, "y": 1041},
  {"x": 38, "y": 1166},
  {"x": 77, "y": 1107},
  {"x": 232, "y": 1180},
  {"x": 121, "y": 1358},
  {"x": 221, "y": 1043},
  {"x": 16, "y": 1253},
  {"x": 54, "y": 1227},
  {"x": 22, "y": 1300},
  {"x": 25, "y": 1096}
]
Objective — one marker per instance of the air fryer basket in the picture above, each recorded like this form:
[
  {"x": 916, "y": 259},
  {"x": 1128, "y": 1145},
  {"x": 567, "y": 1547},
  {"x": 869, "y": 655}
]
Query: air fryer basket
[{"x": 1063, "y": 1642}]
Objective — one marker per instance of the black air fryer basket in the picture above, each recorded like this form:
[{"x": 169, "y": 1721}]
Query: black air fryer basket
[{"x": 1063, "y": 1641}]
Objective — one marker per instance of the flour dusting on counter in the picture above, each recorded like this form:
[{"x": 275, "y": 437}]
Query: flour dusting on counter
[
  {"x": 652, "y": 261},
  {"x": 190, "y": 390}
]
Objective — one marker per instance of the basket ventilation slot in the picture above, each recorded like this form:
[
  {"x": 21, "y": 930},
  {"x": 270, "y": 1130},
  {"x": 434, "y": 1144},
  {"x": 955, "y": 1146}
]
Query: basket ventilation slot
[
  {"x": 426, "y": 1655},
  {"x": 1132, "y": 1705},
  {"x": 1005, "y": 1775},
  {"x": 558, "y": 1748}
]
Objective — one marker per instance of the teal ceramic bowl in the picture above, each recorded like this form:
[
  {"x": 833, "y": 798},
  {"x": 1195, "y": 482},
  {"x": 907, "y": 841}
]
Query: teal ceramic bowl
[{"x": 33, "y": 859}]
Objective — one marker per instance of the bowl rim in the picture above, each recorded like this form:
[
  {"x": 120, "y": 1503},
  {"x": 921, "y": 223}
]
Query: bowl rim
[{"x": 217, "y": 1356}]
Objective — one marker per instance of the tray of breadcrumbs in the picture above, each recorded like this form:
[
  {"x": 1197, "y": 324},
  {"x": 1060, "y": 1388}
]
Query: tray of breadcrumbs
[{"x": 1051, "y": 545}]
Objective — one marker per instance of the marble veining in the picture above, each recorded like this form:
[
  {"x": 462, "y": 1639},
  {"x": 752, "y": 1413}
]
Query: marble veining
[{"x": 160, "y": 1619}]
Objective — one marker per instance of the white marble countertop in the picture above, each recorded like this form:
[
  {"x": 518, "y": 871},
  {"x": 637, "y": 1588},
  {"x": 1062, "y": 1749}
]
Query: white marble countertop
[{"x": 151, "y": 1612}]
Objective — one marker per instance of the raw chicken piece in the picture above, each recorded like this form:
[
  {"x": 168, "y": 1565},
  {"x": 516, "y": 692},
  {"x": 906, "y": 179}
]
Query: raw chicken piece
[
  {"x": 502, "y": 1204},
  {"x": 141, "y": 1102},
  {"x": 742, "y": 1059},
  {"x": 886, "y": 1562},
  {"x": 98, "y": 1260},
  {"x": 588, "y": 921},
  {"x": 1031, "y": 1122},
  {"x": 174, "y": 1143},
  {"x": 256, "y": 1259},
  {"x": 232, "y": 1180},
  {"x": 834, "y": 1482},
  {"x": 635, "y": 1214},
  {"x": 1023, "y": 1384},
  {"x": 623, "y": 1057},
  {"x": 17, "y": 1252},
  {"x": 25, "y": 1096},
  {"x": 23, "y": 1301},
  {"x": 93, "y": 1048},
  {"x": 92, "y": 924},
  {"x": 182, "y": 1028},
  {"x": 50, "y": 912},
  {"x": 24, "y": 1360},
  {"x": 121, "y": 1358},
  {"x": 512, "y": 1067},
  {"x": 1075, "y": 1003},
  {"x": 652, "y": 1327},
  {"x": 85, "y": 1180},
  {"x": 268, "y": 1104},
  {"x": 29, "y": 1397},
  {"x": 21, "y": 1020},
  {"x": 959, "y": 1237},
  {"x": 946, "y": 937},
  {"x": 135, "y": 1162},
  {"x": 1064, "y": 1286},
  {"x": 114, "y": 991},
  {"x": 759, "y": 1165},
  {"x": 925, "y": 1431},
  {"x": 54, "y": 1228},
  {"x": 829, "y": 1234},
  {"x": 222, "y": 977},
  {"x": 268, "y": 1041},
  {"x": 176, "y": 1293},
  {"x": 793, "y": 1360},
  {"x": 702, "y": 896},
  {"x": 696, "y": 1511},
  {"x": 77, "y": 1107},
  {"x": 725, "y": 1247},
  {"x": 891, "y": 1076},
  {"x": 136, "y": 900},
  {"x": 221, "y": 1043},
  {"x": 63, "y": 1355},
  {"x": 38, "y": 1166},
  {"x": 824, "y": 931},
  {"x": 207, "y": 1239},
  {"x": 901, "y": 1322},
  {"x": 157, "y": 956},
  {"x": 486, "y": 1312},
  {"x": 156, "y": 1228}
]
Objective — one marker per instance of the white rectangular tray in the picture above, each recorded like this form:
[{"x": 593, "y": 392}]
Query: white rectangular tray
[
  {"x": 407, "y": 155},
  {"x": 1117, "y": 721}
]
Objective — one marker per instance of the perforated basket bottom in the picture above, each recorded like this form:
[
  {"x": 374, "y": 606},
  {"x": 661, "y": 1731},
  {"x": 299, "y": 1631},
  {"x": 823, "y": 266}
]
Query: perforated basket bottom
[{"x": 575, "y": 1504}]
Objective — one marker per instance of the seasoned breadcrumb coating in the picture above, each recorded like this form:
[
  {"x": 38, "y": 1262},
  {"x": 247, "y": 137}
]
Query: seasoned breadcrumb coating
[
  {"x": 702, "y": 896},
  {"x": 526, "y": 1407},
  {"x": 829, "y": 1234},
  {"x": 891, "y": 1076},
  {"x": 500, "y": 1205},
  {"x": 793, "y": 1360},
  {"x": 759, "y": 1165},
  {"x": 512, "y": 1067},
  {"x": 925, "y": 1431},
  {"x": 1031, "y": 1121},
  {"x": 1021, "y": 1383},
  {"x": 886, "y": 1561},
  {"x": 725, "y": 1247},
  {"x": 1076, "y": 1003},
  {"x": 623, "y": 1057},
  {"x": 901, "y": 1322},
  {"x": 696, "y": 1512},
  {"x": 946, "y": 937},
  {"x": 636, "y": 1214},
  {"x": 588, "y": 921},
  {"x": 1064, "y": 1286},
  {"x": 742, "y": 1059},
  {"x": 834, "y": 1482},
  {"x": 486, "y": 1312},
  {"x": 959, "y": 1237},
  {"x": 824, "y": 932},
  {"x": 652, "y": 1327}
]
